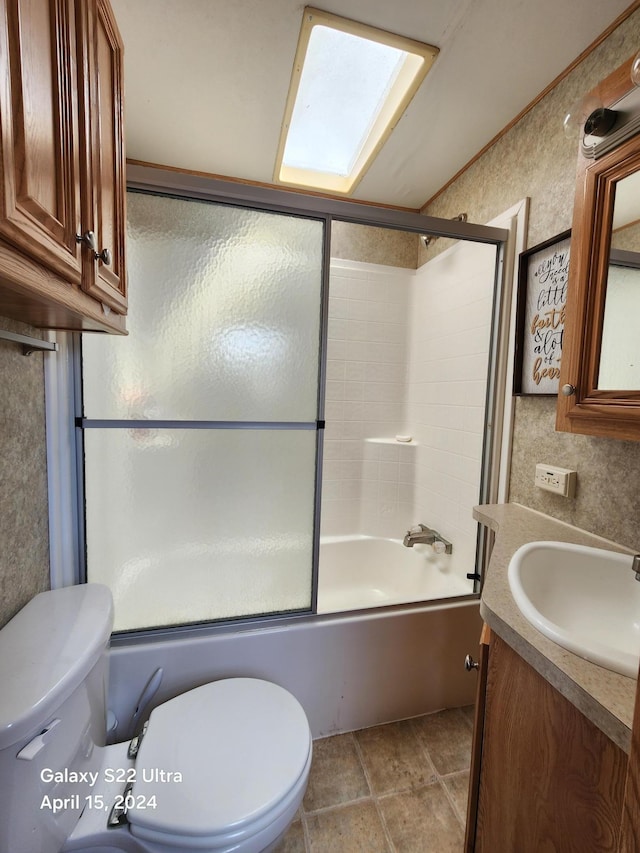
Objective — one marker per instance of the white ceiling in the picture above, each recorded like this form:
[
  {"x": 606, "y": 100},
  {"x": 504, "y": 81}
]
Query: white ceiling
[{"x": 206, "y": 80}]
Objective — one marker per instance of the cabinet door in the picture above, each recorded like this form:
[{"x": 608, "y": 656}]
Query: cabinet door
[
  {"x": 550, "y": 780},
  {"x": 476, "y": 748},
  {"x": 101, "y": 112},
  {"x": 39, "y": 186}
]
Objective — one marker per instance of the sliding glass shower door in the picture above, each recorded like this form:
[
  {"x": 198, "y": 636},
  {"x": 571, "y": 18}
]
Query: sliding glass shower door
[{"x": 200, "y": 429}]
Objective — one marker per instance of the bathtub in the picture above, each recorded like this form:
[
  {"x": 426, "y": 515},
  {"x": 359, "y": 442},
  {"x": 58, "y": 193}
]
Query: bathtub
[
  {"x": 357, "y": 572},
  {"x": 348, "y": 670}
]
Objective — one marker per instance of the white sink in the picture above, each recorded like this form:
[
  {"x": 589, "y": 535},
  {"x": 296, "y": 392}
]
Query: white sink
[{"x": 585, "y": 599}]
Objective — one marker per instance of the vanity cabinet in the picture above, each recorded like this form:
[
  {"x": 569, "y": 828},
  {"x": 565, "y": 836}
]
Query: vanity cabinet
[
  {"x": 543, "y": 777},
  {"x": 62, "y": 193}
]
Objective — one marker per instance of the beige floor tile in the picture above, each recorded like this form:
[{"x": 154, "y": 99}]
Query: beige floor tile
[
  {"x": 355, "y": 828},
  {"x": 458, "y": 788},
  {"x": 422, "y": 821},
  {"x": 336, "y": 774},
  {"x": 393, "y": 758},
  {"x": 469, "y": 712},
  {"x": 293, "y": 842},
  {"x": 447, "y": 737}
]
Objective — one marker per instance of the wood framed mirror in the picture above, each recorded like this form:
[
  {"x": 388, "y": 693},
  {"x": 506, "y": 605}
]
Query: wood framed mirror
[{"x": 600, "y": 370}]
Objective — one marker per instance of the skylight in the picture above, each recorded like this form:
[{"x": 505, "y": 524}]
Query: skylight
[{"x": 351, "y": 84}]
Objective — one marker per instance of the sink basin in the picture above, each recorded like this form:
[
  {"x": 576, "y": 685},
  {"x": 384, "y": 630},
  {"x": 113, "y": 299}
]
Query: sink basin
[{"x": 586, "y": 600}]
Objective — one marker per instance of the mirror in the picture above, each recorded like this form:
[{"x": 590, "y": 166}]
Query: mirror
[
  {"x": 619, "y": 366},
  {"x": 600, "y": 369}
]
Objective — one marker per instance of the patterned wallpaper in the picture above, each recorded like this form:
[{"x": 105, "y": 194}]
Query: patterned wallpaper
[
  {"x": 535, "y": 159},
  {"x": 24, "y": 530}
]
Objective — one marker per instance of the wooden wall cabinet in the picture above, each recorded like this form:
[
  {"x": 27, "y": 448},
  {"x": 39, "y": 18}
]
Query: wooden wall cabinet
[
  {"x": 543, "y": 776},
  {"x": 62, "y": 165},
  {"x": 588, "y": 403}
]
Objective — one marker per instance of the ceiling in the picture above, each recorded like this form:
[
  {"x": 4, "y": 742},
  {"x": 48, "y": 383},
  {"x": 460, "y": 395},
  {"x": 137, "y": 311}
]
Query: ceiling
[{"x": 206, "y": 80}]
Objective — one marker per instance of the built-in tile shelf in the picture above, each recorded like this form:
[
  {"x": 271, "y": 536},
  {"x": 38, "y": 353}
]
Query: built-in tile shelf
[{"x": 394, "y": 441}]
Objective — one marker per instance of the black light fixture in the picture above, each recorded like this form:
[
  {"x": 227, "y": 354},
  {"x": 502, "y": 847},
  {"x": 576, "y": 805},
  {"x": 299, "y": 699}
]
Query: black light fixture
[{"x": 600, "y": 122}]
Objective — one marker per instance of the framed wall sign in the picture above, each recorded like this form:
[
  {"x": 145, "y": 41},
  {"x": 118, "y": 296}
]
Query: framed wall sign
[{"x": 542, "y": 295}]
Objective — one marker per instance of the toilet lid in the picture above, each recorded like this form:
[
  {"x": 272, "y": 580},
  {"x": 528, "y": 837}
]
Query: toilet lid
[{"x": 219, "y": 757}]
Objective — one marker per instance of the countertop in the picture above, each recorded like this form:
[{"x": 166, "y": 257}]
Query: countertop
[{"x": 604, "y": 697}]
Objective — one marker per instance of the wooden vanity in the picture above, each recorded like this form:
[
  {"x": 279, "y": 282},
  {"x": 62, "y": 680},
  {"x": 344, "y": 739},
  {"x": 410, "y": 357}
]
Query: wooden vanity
[{"x": 554, "y": 765}]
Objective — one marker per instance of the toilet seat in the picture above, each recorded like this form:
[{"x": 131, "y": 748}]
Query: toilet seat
[{"x": 222, "y": 762}]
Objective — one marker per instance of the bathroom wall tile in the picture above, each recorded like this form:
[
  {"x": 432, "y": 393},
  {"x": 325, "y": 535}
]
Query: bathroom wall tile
[
  {"x": 392, "y": 758},
  {"x": 354, "y": 410},
  {"x": 340, "y": 286},
  {"x": 334, "y": 390},
  {"x": 350, "y": 490},
  {"x": 338, "y": 351},
  {"x": 338, "y": 329},
  {"x": 372, "y": 449},
  {"x": 407, "y": 473},
  {"x": 354, "y": 429},
  {"x": 386, "y": 312},
  {"x": 336, "y": 775},
  {"x": 334, "y": 409},
  {"x": 389, "y": 472},
  {"x": 406, "y": 493},
  {"x": 351, "y": 829},
  {"x": 386, "y": 332},
  {"x": 422, "y": 821},
  {"x": 388, "y": 492},
  {"x": 352, "y": 449},
  {"x": 338, "y": 308},
  {"x": 370, "y": 470},
  {"x": 350, "y": 470},
  {"x": 333, "y": 430},
  {"x": 331, "y": 450},
  {"x": 331, "y": 490},
  {"x": 357, "y": 309},
  {"x": 375, "y": 345},
  {"x": 354, "y": 390},
  {"x": 381, "y": 372},
  {"x": 331, "y": 470},
  {"x": 335, "y": 370}
]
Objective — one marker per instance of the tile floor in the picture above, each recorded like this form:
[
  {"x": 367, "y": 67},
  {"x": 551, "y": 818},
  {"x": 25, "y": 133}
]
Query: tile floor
[{"x": 397, "y": 788}]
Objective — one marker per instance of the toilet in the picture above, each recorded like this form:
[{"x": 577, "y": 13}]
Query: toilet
[{"x": 220, "y": 768}]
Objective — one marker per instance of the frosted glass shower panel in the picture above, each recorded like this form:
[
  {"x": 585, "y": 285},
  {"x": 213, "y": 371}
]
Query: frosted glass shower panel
[
  {"x": 224, "y": 317},
  {"x": 198, "y": 525}
]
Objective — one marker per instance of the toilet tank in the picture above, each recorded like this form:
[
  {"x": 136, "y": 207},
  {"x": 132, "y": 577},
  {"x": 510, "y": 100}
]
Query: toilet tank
[{"x": 53, "y": 681}]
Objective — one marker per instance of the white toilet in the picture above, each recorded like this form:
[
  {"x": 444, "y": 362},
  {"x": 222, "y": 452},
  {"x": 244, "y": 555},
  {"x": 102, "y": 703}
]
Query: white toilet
[{"x": 220, "y": 768}]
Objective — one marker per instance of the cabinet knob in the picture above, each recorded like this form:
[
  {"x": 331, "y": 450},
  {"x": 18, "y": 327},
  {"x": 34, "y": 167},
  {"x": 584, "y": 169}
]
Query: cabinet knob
[
  {"x": 104, "y": 256},
  {"x": 568, "y": 390},
  {"x": 470, "y": 663},
  {"x": 87, "y": 239}
]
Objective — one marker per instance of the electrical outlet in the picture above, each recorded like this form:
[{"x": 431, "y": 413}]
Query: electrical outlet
[{"x": 560, "y": 481}]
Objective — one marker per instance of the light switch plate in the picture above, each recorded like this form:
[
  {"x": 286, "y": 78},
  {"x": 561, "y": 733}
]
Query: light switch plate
[{"x": 560, "y": 481}]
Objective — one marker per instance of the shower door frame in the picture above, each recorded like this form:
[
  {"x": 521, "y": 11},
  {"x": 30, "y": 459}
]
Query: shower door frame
[{"x": 69, "y": 543}]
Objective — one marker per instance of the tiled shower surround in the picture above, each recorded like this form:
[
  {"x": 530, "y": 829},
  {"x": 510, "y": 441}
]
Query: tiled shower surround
[{"x": 407, "y": 355}]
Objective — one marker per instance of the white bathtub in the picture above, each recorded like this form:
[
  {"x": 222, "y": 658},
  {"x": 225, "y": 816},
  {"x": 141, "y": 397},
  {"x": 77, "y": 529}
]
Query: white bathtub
[
  {"x": 349, "y": 670},
  {"x": 356, "y": 572}
]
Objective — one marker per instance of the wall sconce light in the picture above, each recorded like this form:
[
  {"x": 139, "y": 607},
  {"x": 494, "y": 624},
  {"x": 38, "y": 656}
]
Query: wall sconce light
[
  {"x": 587, "y": 117},
  {"x": 635, "y": 70},
  {"x": 428, "y": 239}
]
